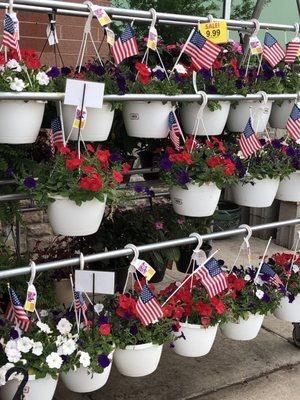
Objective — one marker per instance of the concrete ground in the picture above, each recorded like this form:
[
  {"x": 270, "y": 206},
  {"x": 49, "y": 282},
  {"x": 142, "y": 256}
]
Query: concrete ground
[{"x": 266, "y": 368}]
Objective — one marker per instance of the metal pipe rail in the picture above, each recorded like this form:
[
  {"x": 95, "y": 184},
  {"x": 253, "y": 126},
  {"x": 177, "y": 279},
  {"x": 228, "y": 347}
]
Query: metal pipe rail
[
  {"x": 149, "y": 97},
  {"x": 9, "y": 273},
  {"x": 75, "y": 9}
]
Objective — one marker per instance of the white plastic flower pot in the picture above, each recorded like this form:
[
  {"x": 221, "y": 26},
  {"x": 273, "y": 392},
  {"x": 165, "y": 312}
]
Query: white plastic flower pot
[
  {"x": 20, "y": 121},
  {"x": 196, "y": 201},
  {"x": 98, "y": 124},
  {"x": 259, "y": 194},
  {"x": 147, "y": 119},
  {"x": 198, "y": 340},
  {"x": 239, "y": 115},
  {"x": 82, "y": 381},
  {"x": 69, "y": 219},
  {"x": 213, "y": 121},
  {"x": 35, "y": 389},
  {"x": 244, "y": 329},
  {"x": 280, "y": 114},
  {"x": 139, "y": 360},
  {"x": 289, "y": 188},
  {"x": 288, "y": 311}
]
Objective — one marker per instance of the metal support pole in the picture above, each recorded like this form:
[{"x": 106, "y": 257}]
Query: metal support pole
[
  {"x": 76, "y": 9},
  {"x": 298, "y": 5},
  {"x": 9, "y": 273},
  {"x": 226, "y": 9}
]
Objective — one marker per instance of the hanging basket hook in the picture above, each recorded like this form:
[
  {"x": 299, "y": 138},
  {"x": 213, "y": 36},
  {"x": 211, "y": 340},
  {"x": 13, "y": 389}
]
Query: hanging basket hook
[
  {"x": 135, "y": 251},
  {"x": 264, "y": 96},
  {"x": 154, "y": 16},
  {"x": 210, "y": 18},
  {"x": 249, "y": 232},
  {"x": 33, "y": 272},
  {"x": 296, "y": 25},
  {"x": 81, "y": 261},
  {"x": 200, "y": 240},
  {"x": 256, "y": 26}
]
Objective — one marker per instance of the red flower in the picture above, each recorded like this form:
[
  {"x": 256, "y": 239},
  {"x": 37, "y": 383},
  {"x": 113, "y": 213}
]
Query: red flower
[
  {"x": 118, "y": 177},
  {"x": 214, "y": 161},
  {"x": 63, "y": 149},
  {"x": 88, "y": 169},
  {"x": 92, "y": 183},
  {"x": 167, "y": 311},
  {"x": 33, "y": 64},
  {"x": 126, "y": 302},
  {"x": 205, "y": 321},
  {"x": 209, "y": 143},
  {"x": 144, "y": 73},
  {"x": 187, "y": 310},
  {"x": 178, "y": 313},
  {"x": 203, "y": 309},
  {"x": 170, "y": 150},
  {"x": 185, "y": 296},
  {"x": 103, "y": 156},
  {"x": 239, "y": 284},
  {"x": 229, "y": 167},
  {"x": 90, "y": 148},
  {"x": 218, "y": 305},
  {"x": 184, "y": 158},
  {"x": 73, "y": 163},
  {"x": 171, "y": 46},
  {"x": 140, "y": 283},
  {"x": 189, "y": 143},
  {"x": 282, "y": 258},
  {"x": 79, "y": 76},
  {"x": 217, "y": 64},
  {"x": 125, "y": 167},
  {"x": 104, "y": 329}
]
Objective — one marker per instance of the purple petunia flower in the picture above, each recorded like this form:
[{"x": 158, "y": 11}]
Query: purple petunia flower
[
  {"x": 239, "y": 84},
  {"x": 280, "y": 74},
  {"x": 165, "y": 163},
  {"x": 295, "y": 163},
  {"x": 121, "y": 83},
  {"x": 29, "y": 182},
  {"x": 102, "y": 319},
  {"x": 266, "y": 298},
  {"x": 159, "y": 74},
  {"x": 13, "y": 334},
  {"x": 290, "y": 151},
  {"x": 103, "y": 361},
  {"x": 53, "y": 72},
  {"x": 178, "y": 79},
  {"x": 133, "y": 330},
  {"x": 175, "y": 328},
  {"x": 115, "y": 157},
  {"x": 242, "y": 72},
  {"x": 65, "y": 71},
  {"x": 268, "y": 74},
  {"x": 262, "y": 141},
  {"x": 97, "y": 69},
  {"x": 64, "y": 358},
  {"x": 138, "y": 188},
  {"x": 276, "y": 143},
  {"x": 149, "y": 192},
  {"x": 211, "y": 89},
  {"x": 205, "y": 73},
  {"x": 183, "y": 177}
]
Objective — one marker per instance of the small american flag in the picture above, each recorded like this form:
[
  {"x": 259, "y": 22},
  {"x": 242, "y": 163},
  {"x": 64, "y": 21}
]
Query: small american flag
[
  {"x": 10, "y": 39},
  {"x": 56, "y": 134},
  {"x": 79, "y": 302},
  {"x": 272, "y": 50},
  {"x": 15, "y": 312},
  {"x": 212, "y": 277},
  {"x": 148, "y": 307},
  {"x": 126, "y": 46},
  {"x": 274, "y": 278},
  {"x": 249, "y": 142},
  {"x": 292, "y": 50},
  {"x": 175, "y": 130},
  {"x": 201, "y": 51},
  {"x": 293, "y": 124}
]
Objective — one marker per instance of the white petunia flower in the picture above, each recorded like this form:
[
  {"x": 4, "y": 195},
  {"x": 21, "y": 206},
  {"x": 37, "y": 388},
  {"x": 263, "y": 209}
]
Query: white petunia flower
[
  {"x": 68, "y": 348},
  {"x": 44, "y": 327},
  {"x": 158, "y": 68},
  {"x": 54, "y": 360},
  {"x": 3, "y": 371},
  {"x": 259, "y": 293},
  {"x": 180, "y": 69},
  {"x": 247, "y": 278},
  {"x": 13, "y": 354},
  {"x": 44, "y": 313},
  {"x": 42, "y": 78},
  {"x": 240, "y": 155},
  {"x": 24, "y": 344},
  {"x": 84, "y": 359},
  {"x": 37, "y": 348},
  {"x": 295, "y": 268},
  {"x": 64, "y": 326},
  {"x": 17, "y": 85},
  {"x": 13, "y": 64},
  {"x": 98, "y": 308},
  {"x": 60, "y": 340}
]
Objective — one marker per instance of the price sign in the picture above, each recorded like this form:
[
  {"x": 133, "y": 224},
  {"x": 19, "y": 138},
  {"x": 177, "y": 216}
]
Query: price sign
[
  {"x": 255, "y": 45},
  {"x": 215, "y": 31},
  {"x": 152, "y": 38},
  {"x": 101, "y": 15}
]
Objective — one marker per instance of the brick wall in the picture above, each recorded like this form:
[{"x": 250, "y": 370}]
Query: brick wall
[{"x": 69, "y": 31}]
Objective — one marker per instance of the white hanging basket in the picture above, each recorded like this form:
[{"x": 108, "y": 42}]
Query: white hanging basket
[
  {"x": 288, "y": 311},
  {"x": 260, "y": 194},
  {"x": 213, "y": 121},
  {"x": 69, "y": 219},
  {"x": 98, "y": 124},
  {"x": 280, "y": 114},
  {"x": 139, "y": 360},
  {"x": 81, "y": 381},
  {"x": 244, "y": 329},
  {"x": 35, "y": 389},
  {"x": 239, "y": 116},
  {"x": 147, "y": 119},
  {"x": 196, "y": 201},
  {"x": 289, "y": 188},
  {"x": 20, "y": 121},
  {"x": 198, "y": 340}
]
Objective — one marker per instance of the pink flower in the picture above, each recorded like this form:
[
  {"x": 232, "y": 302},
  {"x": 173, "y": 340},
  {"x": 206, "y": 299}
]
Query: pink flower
[
  {"x": 236, "y": 47},
  {"x": 159, "y": 226},
  {"x": 180, "y": 221}
]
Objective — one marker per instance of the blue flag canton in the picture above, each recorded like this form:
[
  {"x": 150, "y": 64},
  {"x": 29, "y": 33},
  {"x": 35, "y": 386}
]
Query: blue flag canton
[
  {"x": 295, "y": 114},
  {"x": 14, "y": 298},
  {"x": 266, "y": 269},
  {"x": 269, "y": 40},
  {"x": 9, "y": 24},
  {"x": 56, "y": 125},
  {"x": 127, "y": 34},
  {"x": 198, "y": 40},
  {"x": 213, "y": 267},
  {"x": 248, "y": 131},
  {"x": 172, "y": 119},
  {"x": 146, "y": 294}
]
